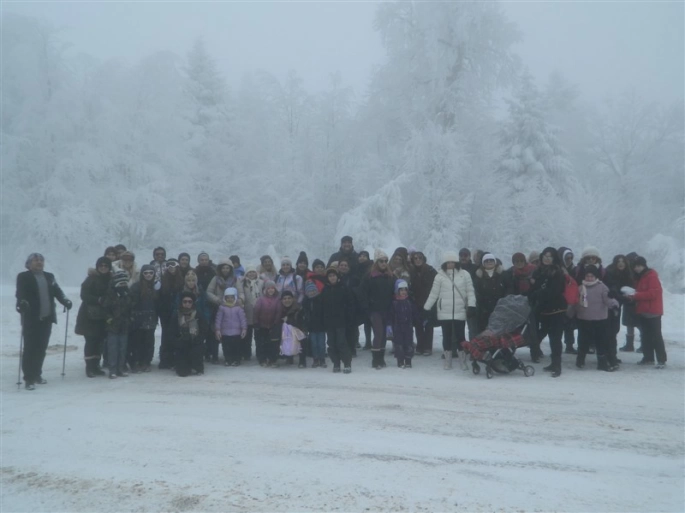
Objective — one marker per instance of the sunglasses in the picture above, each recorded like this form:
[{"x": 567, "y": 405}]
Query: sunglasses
[{"x": 382, "y": 260}]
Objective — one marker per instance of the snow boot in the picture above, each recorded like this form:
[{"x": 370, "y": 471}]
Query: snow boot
[
  {"x": 660, "y": 365},
  {"x": 347, "y": 370},
  {"x": 556, "y": 372},
  {"x": 448, "y": 360},
  {"x": 336, "y": 368},
  {"x": 603, "y": 364},
  {"x": 29, "y": 386},
  {"x": 462, "y": 360},
  {"x": 400, "y": 363},
  {"x": 381, "y": 359},
  {"x": 580, "y": 360},
  {"x": 549, "y": 368},
  {"x": 407, "y": 363},
  {"x": 90, "y": 363},
  {"x": 628, "y": 348},
  {"x": 570, "y": 350}
]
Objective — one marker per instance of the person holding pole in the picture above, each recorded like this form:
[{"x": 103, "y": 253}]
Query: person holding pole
[{"x": 36, "y": 294}]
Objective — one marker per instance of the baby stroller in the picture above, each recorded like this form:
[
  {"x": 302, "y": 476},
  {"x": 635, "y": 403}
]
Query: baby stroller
[{"x": 509, "y": 328}]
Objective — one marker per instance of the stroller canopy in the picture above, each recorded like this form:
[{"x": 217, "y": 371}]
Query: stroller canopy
[{"x": 510, "y": 313}]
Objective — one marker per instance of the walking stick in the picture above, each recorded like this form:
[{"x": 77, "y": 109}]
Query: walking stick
[
  {"x": 21, "y": 353},
  {"x": 66, "y": 330}
]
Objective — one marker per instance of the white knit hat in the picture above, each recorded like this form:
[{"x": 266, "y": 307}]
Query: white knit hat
[
  {"x": 488, "y": 256},
  {"x": 379, "y": 253},
  {"x": 450, "y": 256}
]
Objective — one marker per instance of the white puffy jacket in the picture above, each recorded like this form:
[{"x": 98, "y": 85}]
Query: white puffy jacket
[{"x": 452, "y": 302}]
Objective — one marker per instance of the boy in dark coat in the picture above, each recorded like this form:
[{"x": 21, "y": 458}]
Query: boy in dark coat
[{"x": 337, "y": 303}]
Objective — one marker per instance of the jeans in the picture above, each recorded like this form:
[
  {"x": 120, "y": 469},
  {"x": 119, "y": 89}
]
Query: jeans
[
  {"x": 318, "y": 341},
  {"x": 116, "y": 349}
]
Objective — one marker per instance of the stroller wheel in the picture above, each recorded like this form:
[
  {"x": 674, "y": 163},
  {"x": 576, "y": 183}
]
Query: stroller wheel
[
  {"x": 529, "y": 371},
  {"x": 475, "y": 368},
  {"x": 488, "y": 372}
]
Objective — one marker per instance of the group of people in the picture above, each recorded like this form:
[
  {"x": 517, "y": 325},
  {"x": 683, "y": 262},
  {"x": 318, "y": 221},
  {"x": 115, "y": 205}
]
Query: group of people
[{"x": 399, "y": 298}]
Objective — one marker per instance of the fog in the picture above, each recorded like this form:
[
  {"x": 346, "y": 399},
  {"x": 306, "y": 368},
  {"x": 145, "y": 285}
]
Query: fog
[{"x": 252, "y": 128}]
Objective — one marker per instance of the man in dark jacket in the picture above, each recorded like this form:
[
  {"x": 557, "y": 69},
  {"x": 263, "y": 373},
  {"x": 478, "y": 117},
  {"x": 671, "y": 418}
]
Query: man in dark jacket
[
  {"x": 36, "y": 294},
  {"x": 376, "y": 294},
  {"x": 422, "y": 276},
  {"x": 336, "y": 302},
  {"x": 346, "y": 250}
]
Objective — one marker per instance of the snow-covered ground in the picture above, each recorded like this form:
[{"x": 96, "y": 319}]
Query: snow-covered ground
[{"x": 425, "y": 439}]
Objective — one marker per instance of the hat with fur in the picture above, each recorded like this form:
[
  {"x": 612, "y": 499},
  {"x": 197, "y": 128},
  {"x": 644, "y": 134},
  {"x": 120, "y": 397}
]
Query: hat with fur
[
  {"x": 591, "y": 251},
  {"x": 379, "y": 253}
]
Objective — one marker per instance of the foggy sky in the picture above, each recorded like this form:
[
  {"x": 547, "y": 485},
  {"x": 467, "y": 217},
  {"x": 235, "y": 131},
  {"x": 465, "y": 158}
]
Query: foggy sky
[{"x": 604, "y": 47}]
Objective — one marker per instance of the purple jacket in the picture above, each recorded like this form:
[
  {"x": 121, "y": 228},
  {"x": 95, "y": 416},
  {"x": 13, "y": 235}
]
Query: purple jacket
[
  {"x": 267, "y": 311},
  {"x": 598, "y": 302},
  {"x": 230, "y": 320}
]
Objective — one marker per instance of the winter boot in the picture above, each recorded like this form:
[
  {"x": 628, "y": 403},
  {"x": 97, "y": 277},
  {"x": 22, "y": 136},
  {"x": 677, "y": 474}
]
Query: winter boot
[
  {"x": 639, "y": 349},
  {"x": 89, "y": 367},
  {"x": 347, "y": 370},
  {"x": 570, "y": 350},
  {"x": 407, "y": 363},
  {"x": 336, "y": 368},
  {"x": 375, "y": 360},
  {"x": 462, "y": 360},
  {"x": 381, "y": 359},
  {"x": 580, "y": 360},
  {"x": 448, "y": 360},
  {"x": 603, "y": 364},
  {"x": 628, "y": 348},
  {"x": 556, "y": 372},
  {"x": 400, "y": 363},
  {"x": 549, "y": 368}
]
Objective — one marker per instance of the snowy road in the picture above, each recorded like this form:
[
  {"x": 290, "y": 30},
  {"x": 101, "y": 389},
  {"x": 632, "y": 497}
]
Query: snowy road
[{"x": 425, "y": 439}]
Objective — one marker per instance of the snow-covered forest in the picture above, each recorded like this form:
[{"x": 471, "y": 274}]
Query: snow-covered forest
[{"x": 165, "y": 152}]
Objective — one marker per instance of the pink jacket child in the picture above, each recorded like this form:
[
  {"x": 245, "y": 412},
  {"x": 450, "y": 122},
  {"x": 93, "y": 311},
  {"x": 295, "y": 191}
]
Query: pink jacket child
[{"x": 230, "y": 318}]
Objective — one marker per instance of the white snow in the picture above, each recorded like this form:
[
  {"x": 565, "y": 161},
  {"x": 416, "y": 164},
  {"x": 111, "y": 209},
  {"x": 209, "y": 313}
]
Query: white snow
[{"x": 425, "y": 439}]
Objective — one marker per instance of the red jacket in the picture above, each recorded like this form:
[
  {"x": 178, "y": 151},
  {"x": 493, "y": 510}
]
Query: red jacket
[{"x": 648, "y": 294}]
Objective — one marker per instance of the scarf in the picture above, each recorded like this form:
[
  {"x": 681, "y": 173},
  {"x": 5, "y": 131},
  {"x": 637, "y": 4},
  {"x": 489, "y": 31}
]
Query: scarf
[
  {"x": 187, "y": 319},
  {"x": 583, "y": 291}
]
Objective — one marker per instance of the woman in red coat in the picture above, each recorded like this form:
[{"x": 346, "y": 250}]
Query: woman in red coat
[{"x": 649, "y": 308}]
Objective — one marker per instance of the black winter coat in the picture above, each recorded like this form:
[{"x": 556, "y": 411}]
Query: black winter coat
[
  {"x": 490, "y": 289},
  {"x": 546, "y": 294},
  {"x": 117, "y": 304},
  {"x": 90, "y": 320},
  {"x": 204, "y": 275},
  {"x": 352, "y": 257},
  {"x": 337, "y": 306},
  {"x": 27, "y": 290},
  {"x": 143, "y": 308},
  {"x": 377, "y": 292}
]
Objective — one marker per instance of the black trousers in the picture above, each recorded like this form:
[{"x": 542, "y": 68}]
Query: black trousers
[
  {"x": 142, "y": 347},
  {"x": 352, "y": 336},
  {"x": 246, "y": 344},
  {"x": 36, "y": 339},
  {"x": 231, "y": 345},
  {"x": 652, "y": 339},
  {"x": 166, "y": 348},
  {"x": 552, "y": 326},
  {"x": 92, "y": 349},
  {"x": 261, "y": 340},
  {"x": 593, "y": 333},
  {"x": 569, "y": 331},
  {"x": 453, "y": 334},
  {"x": 189, "y": 357},
  {"x": 338, "y": 347}
]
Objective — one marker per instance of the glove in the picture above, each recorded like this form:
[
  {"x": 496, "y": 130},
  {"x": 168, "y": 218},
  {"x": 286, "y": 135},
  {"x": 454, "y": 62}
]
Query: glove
[
  {"x": 243, "y": 333},
  {"x": 22, "y": 306},
  {"x": 158, "y": 285},
  {"x": 471, "y": 312},
  {"x": 68, "y": 304}
]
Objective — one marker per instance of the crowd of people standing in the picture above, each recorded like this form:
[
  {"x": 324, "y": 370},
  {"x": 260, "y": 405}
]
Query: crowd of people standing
[{"x": 399, "y": 299}]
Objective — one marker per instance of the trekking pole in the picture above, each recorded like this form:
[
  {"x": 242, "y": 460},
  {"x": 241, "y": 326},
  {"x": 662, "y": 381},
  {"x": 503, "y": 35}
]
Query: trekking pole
[
  {"x": 66, "y": 330},
  {"x": 21, "y": 353}
]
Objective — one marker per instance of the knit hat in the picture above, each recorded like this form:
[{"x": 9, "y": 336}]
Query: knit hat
[
  {"x": 400, "y": 284},
  {"x": 251, "y": 268},
  {"x": 450, "y": 256},
  {"x": 104, "y": 260},
  {"x": 318, "y": 263},
  {"x": 287, "y": 293},
  {"x": 119, "y": 278},
  {"x": 533, "y": 256},
  {"x": 286, "y": 260},
  {"x": 128, "y": 255},
  {"x": 231, "y": 291},
  {"x": 640, "y": 260},
  {"x": 181, "y": 255},
  {"x": 379, "y": 253},
  {"x": 201, "y": 254},
  {"x": 488, "y": 256},
  {"x": 147, "y": 267},
  {"x": 187, "y": 293},
  {"x": 366, "y": 253},
  {"x": 590, "y": 251},
  {"x": 518, "y": 257},
  {"x": 591, "y": 269},
  {"x": 346, "y": 238},
  {"x": 269, "y": 284},
  {"x": 302, "y": 258},
  {"x": 332, "y": 270}
]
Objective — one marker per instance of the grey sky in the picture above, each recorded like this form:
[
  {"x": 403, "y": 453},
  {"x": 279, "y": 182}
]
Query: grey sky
[{"x": 602, "y": 46}]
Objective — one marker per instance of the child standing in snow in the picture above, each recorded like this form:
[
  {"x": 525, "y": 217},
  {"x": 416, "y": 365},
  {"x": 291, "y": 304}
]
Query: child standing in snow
[
  {"x": 402, "y": 318},
  {"x": 267, "y": 315},
  {"x": 230, "y": 327}
]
